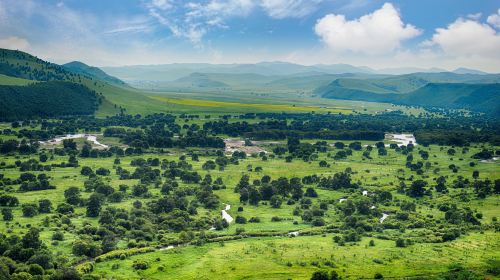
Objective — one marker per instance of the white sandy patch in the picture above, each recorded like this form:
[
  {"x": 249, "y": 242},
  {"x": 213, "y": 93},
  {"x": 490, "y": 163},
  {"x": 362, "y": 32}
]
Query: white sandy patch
[
  {"x": 384, "y": 216},
  {"x": 225, "y": 215},
  {"x": 90, "y": 137},
  {"x": 401, "y": 139}
]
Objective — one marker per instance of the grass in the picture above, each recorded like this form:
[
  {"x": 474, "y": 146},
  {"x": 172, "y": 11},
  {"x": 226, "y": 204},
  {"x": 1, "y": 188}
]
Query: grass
[
  {"x": 13, "y": 81},
  {"x": 268, "y": 258},
  {"x": 298, "y": 258},
  {"x": 241, "y": 107}
]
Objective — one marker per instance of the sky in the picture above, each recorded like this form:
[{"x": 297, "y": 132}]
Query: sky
[{"x": 380, "y": 34}]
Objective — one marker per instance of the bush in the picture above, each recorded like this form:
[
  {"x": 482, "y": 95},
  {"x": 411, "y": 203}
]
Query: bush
[
  {"x": 59, "y": 236},
  {"x": 275, "y": 201},
  {"x": 254, "y": 220},
  {"x": 400, "y": 243},
  {"x": 241, "y": 220},
  {"x": 320, "y": 275},
  {"x": 139, "y": 264},
  {"x": 102, "y": 171},
  {"x": 29, "y": 210}
]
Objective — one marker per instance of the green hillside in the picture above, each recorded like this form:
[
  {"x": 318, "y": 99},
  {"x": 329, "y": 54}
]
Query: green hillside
[
  {"x": 475, "y": 97},
  {"x": 20, "y": 68},
  {"x": 13, "y": 81},
  {"x": 93, "y": 72},
  {"x": 49, "y": 99}
]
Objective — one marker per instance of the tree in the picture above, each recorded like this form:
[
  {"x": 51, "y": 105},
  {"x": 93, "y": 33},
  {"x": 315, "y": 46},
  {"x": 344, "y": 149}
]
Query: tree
[
  {"x": 475, "y": 174},
  {"x": 29, "y": 210},
  {"x": 240, "y": 220},
  {"x": 69, "y": 144},
  {"x": 102, "y": 171},
  {"x": 400, "y": 243},
  {"x": 417, "y": 188},
  {"x": 275, "y": 201},
  {"x": 7, "y": 214},
  {"x": 86, "y": 171},
  {"x": 32, "y": 239},
  {"x": 209, "y": 165},
  {"x": 320, "y": 275},
  {"x": 44, "y": 206},
  {"x": 94, "y": 205},
  {"x": 43, "y": 157},
  {"x": 65, "y": 208},
  {"x": 72, "y": 195}
]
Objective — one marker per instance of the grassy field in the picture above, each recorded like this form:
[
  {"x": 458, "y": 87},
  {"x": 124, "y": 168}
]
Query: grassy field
[
  {"x": 13, "y": 81},
  {"x": 219, "y": 106},
  {"x": 280, "y": 258},
  {"x": 298, "y": 258}
]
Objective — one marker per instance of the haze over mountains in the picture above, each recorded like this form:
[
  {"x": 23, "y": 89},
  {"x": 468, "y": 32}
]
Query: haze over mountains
[
  {"x": 172, "y": 72},
  {"x": 461, "y": 89}
]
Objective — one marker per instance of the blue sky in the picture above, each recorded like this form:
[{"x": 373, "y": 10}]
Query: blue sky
[{"x": 404, "y": 33}]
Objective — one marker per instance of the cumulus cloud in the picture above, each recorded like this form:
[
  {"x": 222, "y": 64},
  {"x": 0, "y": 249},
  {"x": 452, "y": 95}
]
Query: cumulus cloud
[
  {"x": 14, "y": 43},
  {"x": 494, "y": 19},
  {"x": 467, "y": 37},
  {"x": 380, "y": 32}
]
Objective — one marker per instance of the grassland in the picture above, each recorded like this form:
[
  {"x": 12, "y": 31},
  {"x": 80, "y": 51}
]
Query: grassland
[
  {"x": 220, "y": 106},
  {"x": 13, "y": 81},
  {"x": 280, "y": 257},
  {"x": 298, "y": 258}
]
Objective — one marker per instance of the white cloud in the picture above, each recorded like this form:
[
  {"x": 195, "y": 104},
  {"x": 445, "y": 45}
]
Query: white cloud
[
  {"x": 289, "y": 8},
  {"x": 494, "y": 19},
  {"x": 380, "y": 32},
  {"x": 14, "y": 43},
  {"x": 162, "y": 4},
  {"x": 193, "y": 20},
  {"x": 475, "y": 16},
  {"x": 466, "y": 37}
]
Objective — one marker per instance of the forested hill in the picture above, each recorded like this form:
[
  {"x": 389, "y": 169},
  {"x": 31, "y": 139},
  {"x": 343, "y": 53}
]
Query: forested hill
[
  {"x": 475, "y": 97},
  {"x": 49, "y": 99},
  {"x": 94, "y": 72},
  {"x": 23, "y": 65}
]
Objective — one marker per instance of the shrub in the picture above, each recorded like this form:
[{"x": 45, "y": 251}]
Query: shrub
[
  {"x": 59, "y": 236},
  {"x": 240, "y": 220},
  {"x": 254, "y": 220},
  {"x": 400, "y": 243},
  {"x": 140, "y": 264}
]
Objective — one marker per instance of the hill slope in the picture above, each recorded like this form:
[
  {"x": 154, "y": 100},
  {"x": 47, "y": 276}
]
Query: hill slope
[
  {"x": 94, "y": 72},
  {"x": 16, "y": 64},
  {"x": 476, "y": 97},
  {"x": 50, "y": 99}
]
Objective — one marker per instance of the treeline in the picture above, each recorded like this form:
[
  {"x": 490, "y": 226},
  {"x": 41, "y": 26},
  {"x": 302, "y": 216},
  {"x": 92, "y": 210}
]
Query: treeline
[
  {"x": 46, "y": 100},
  {"x": 456, "y": 137},
  {"x": 449, "y": 130},
  {"x": 160, "y": 137},
  {"x": 22, "y": 65}
]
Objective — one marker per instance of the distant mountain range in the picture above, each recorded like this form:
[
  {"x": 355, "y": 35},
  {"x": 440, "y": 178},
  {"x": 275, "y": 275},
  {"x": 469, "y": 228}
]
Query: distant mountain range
[
  {"x": 461, "y": 89},
  {"x": 475, "y": 97},
  {"x": 172, "y": 72}
]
